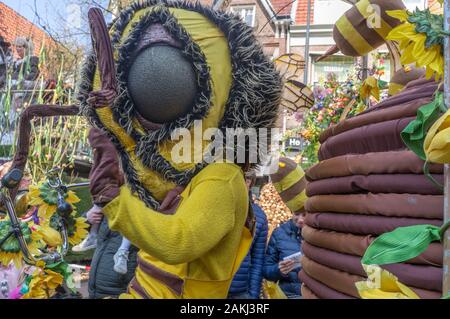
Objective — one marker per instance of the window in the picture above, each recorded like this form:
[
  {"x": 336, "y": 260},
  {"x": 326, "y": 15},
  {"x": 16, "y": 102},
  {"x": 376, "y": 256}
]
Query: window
[
  {"x": 247, "y": 14},
  {"x": 341, "y": 66}
]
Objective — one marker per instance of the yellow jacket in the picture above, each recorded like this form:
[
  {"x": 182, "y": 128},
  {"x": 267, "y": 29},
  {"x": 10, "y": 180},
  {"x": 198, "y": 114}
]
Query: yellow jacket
[{"x": 195, "y": 252}]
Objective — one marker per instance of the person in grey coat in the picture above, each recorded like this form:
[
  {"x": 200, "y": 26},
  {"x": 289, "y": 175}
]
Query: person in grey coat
[{"x": 105, "y": 177}]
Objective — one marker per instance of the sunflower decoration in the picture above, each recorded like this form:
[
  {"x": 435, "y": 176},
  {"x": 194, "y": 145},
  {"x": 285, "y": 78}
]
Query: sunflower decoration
[
  {"x": 421, "y": 38},
  {"x": 9, "y": 245},
  {"x": 49, "y": 235},
  {"x": 46, "y": 199},
  {"x": 42, "y": 284},
  {"x": 76, "y": 228}
]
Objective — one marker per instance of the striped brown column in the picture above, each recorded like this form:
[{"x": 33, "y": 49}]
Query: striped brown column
[
  {"x": 290, "y": 182},
  {"x": 365, "y": 26}
]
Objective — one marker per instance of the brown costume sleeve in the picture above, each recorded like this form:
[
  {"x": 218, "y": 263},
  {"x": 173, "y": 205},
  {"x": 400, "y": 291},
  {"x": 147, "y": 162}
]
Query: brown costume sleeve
[
  {"x": 391, "y": 205},
  {"x": 105, "y": 177},
  {"x": 395, "y": 162}
]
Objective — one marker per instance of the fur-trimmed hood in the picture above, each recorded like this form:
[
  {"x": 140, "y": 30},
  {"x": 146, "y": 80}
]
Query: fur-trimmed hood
[{"x": 238, "y": 87}]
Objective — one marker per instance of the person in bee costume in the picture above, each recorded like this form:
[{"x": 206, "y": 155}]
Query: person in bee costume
[{"x": 178, "y": 62}]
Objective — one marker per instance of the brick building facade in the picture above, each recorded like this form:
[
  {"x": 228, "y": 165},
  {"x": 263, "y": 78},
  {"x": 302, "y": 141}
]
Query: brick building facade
[
  {"x": 280, "y": 26},
  {"x": 13, "y": 25},
  {"x": 271, "y": 21}
]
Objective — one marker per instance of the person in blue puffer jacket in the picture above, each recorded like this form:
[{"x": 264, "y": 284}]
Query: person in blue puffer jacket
[
  {"x": 247, "y": 282},
  {"x": 290, "y": 183},
  {"x": 285, "y": 241}
]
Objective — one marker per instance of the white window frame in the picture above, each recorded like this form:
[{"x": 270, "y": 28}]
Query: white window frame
[
  {"x": 337, "y": 7},
  {"x": 421, "y": 4},
  {"x": 237, "y": 9}
]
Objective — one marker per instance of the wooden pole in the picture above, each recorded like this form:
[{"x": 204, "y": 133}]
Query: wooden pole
[
  {"x": 446, "y": 279},
  {"x": 446, "y": 239},
  {"x": 307, "y": 40}
]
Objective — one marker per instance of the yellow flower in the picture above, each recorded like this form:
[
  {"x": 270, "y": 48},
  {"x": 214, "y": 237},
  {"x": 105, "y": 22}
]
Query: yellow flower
[
  {"x": 381, "y": 284},
  {"x": 49, "y": 235},
  {"x": 43, "y": 283},
  {"x": 437, "y": 142},
  {"x": 370, "y": 88},
  {"x": 412, "y": 46},
  {"x": 80, "y": 231},
  {"x": 401, "y": 15},
  {"x": 46, "y": 210}
]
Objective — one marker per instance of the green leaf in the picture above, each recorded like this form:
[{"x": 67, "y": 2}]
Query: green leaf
[
  {"x": 400, "y": 245},
  {"x": 415, "y": 133},
  {"x": 62, "y": 268},
  {"x": 49, "y": 194},
  {"x": 432, "y": 25},
  {"x": 11, "y": 244}
]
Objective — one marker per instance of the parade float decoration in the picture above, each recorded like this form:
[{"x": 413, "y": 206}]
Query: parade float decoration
[
  {"x": 375, "y": 207},
  {"x": 32, "y": 258},
  {"x": 38, "y": 222},
  {"x": 368, "y": 183},
  {"x": 334, "y": 102},
  {"x": 421, "y": 37},
  {"x": 296, "y": 96},
  {"x": 402, "y": 77},
  {"x": 364, "y": 27}
]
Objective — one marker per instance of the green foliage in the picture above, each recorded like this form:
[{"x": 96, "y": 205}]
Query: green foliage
[
  {"x": 86, "y": 202},
  {"x": 401, "y": 245},
  {"x": 49, "y": 194},
  {"x": 55, "y": 141},
  {"x": 11, "y": 244},
  {"x": 430, "y": 24},
  {"x": 415, "y": 133},
  {"x": 332, "y": 100}
]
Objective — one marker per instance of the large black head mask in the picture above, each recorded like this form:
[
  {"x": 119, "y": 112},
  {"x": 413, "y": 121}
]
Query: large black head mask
[
  {"x": 161, "y": 81},
  {"x": 162, "y": 84}
]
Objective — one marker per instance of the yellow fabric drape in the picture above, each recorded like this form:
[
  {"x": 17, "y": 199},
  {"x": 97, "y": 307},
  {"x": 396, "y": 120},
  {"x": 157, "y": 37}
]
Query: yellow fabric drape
[
  {"x": 383, "y": 285},
  {"x": 395, "y": 88},
  {"x": 437, "y": 141}
]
